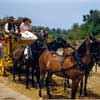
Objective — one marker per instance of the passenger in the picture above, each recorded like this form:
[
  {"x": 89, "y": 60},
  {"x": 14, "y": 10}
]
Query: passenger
[
  {"x": 11, "y": 28},
  {"x": 26, "y": 30},
  {"x": 43, "y": 34}
]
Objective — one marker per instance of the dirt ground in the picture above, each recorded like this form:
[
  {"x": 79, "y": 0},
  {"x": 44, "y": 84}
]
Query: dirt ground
[{"x": 93, "y": 87}]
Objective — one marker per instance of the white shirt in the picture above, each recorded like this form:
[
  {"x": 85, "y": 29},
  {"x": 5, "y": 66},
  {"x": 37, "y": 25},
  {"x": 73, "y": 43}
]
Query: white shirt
[
  {"x": 24, "y": 27},
  {"x": 6, "y": 28}
]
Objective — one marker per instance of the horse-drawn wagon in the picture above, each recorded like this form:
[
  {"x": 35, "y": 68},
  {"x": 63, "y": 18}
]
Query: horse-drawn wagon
[{"x": 11, "y": 43}]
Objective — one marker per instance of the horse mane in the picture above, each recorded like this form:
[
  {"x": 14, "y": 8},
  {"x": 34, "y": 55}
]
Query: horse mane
[
  {"x": 34, "y": 45},
  {"x": 81, "y": 50},
  {"x": 52, "y": 45}
]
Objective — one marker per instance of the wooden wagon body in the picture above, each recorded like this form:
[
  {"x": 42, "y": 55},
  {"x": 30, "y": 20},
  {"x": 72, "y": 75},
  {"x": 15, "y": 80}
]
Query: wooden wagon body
[{"x": 10, "y": 44}]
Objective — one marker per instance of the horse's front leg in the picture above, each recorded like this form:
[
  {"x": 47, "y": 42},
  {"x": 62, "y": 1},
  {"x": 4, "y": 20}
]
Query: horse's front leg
[
  {"x": 37, "y": 74},
  {"x": 85, "y": 85},
  {"x": 68, "y": 84},
  {"x": 81, "y": 87},
  {"x": 19, "y": 72},
  {"x": 33, "y": 77},
  {"x": 27, "y": 77}
]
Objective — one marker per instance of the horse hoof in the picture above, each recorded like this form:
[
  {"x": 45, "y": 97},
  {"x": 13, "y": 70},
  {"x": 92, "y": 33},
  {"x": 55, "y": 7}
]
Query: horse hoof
[
  {"x": 68, "y": 86},
  {"x": 85, "y": 94},
  {"x": 41, "y": 98},
  {"x": 19, "y": 79},
  {"x": 27, "y": 87},
  {"x": 80, "y": 97},
  {"x": 33, "y": 85},
  {"x": 14, "y": 80},
  {"x": 50, "y": 97}
]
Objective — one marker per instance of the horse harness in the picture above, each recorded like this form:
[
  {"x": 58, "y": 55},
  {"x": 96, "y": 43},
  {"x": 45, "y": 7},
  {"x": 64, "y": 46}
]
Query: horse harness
[
  {"x": 28, "y": 53},
  {"x": 63, "y": 70}
]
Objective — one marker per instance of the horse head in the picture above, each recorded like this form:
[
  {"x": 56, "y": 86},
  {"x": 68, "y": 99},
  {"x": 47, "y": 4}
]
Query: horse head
[
  {"x": 39, "y": 45},
  {"x": 56, "y": 44},
  {"x": 17, "y": 52},
  {"x": 94, "y": 45},
  {"x": 95, "y": 49},
  {"x": 61, "y": 43},
  {"x": 91, "y": 43}
]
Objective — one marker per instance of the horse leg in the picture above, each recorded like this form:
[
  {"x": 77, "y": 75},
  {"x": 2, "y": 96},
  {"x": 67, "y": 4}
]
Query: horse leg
[
  {"x": 32, "y": 77},
  {"x": 42, "y": 75},
  {"x": 75, "y": 83},
  {"x": 68, "y": 84},
  {"x": 81, "y": 87},
  {"x": 27, "y": 77},
  {"x": 40, "y": 86},
  {"x": 37, "y": 74},
  {"x": 47, "y": 84},
  {"x": 85, "y": 85},
  {"x": 14, "y": 70},
  {"x": 19, "y": 72},
  {"x": 96, "y": 67}
]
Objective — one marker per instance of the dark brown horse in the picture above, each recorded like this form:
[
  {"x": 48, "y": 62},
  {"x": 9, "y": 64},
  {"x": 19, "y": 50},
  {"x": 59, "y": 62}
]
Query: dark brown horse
[
  {"x": 89, "y": 58},
  {"x": 73, "y": 66},
  {"x": 28, "y": 57},
  {"x": 17, "y": 56}
]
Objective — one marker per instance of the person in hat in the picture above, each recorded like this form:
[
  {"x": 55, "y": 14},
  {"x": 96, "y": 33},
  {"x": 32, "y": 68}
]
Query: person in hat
[
  {"x": 26, "y": 29},
  {"x": 43, "y": 34},
  {"x": 10, "y": 27}
]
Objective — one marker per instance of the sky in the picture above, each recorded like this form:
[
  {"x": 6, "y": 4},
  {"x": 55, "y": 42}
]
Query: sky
[{"x": 52, "y": 13}]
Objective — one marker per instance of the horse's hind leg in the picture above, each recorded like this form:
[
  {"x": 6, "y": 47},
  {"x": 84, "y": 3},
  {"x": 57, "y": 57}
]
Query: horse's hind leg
[
  {"x": 47, "y": 84},
  {"x": 27, "y": 77},
  {"x": 75, "y": 83},
  {"x": 68, "y": 84},
  {"x": 42, "y": 75},
  {"x": 14, "y": 70}
]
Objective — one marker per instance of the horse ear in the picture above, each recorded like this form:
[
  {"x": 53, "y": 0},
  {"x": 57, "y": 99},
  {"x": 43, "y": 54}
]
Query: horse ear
[{"x": 91, "y": 35}]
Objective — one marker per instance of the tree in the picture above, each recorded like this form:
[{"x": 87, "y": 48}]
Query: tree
[{"x": 75, "y": 25}]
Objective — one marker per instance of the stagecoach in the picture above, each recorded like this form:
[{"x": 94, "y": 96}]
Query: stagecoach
[{"x": 10, "y": 44}]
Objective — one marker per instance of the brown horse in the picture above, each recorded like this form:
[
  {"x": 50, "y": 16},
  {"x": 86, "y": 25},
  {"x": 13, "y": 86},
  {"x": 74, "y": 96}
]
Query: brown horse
[
  {"x": 72, "y": 66},
  {"x": 89, "y": 58},
  {"x": 54, "y": 64}
]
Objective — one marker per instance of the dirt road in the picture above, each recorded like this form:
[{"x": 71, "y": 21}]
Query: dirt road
[
  {"x": 7, "y": 83},
  {"x": 9, "y": 94}
]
